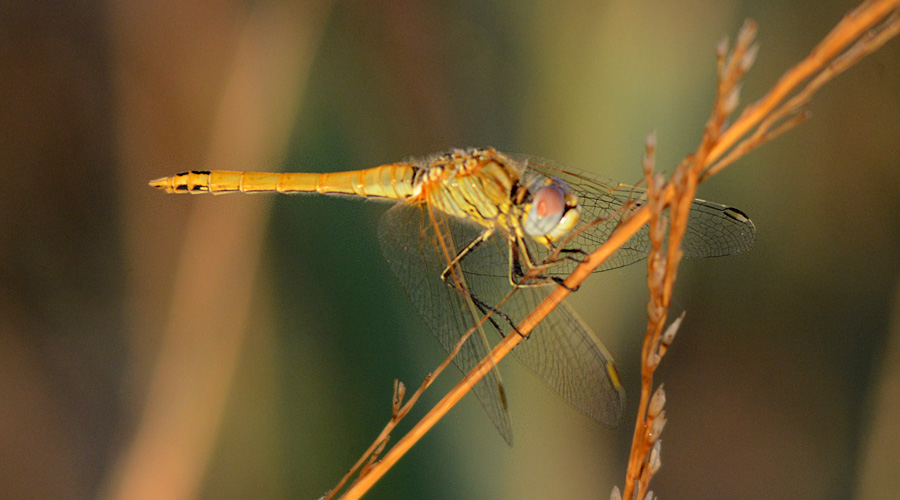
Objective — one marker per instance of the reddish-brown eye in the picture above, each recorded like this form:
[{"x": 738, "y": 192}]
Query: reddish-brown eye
[{"x": 547, "y": 207}]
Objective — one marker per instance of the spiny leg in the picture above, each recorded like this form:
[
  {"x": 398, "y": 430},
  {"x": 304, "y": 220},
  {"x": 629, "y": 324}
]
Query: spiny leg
[
  {"x": 535, "y": 274},
  {"x": 490, "y": 312},
  {"x": 486, "y": 309},
  {"x": 462, "y": 253},
  {"x": 560, "y": 281}
]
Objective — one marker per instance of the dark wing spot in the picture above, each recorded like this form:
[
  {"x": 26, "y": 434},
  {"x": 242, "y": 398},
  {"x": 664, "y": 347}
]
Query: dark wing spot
[{"x": 736, "y": 214}]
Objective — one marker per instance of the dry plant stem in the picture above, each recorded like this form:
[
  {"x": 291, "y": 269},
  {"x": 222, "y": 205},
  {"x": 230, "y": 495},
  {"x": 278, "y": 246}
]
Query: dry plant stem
[
  {"x": 621, "y": 235},
  {"x": 377, "y": 446},
  {"x": 867, "y": 44},
  {"x": 205, "y": 327},
  {"x": 661, "y": 272},
  {"x": 637, "y": 467},
  {"x": 850, "y": 29},
  {"x": 686, "y": 177},
  {"x": 676, "y": 194},
  {"x": 375, "y": 449}
]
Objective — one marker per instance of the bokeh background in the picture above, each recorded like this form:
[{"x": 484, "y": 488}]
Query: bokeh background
[{"x": 157, "y": 346}]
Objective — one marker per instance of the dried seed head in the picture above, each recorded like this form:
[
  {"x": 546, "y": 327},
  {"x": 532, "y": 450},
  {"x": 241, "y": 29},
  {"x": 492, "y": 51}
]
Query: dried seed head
[
  {"x": 660, "y": 226},
  {"x": 399, "y": 393},
  {"x": 616, "y": 494},
  {"x": 650, "y": 142},
  {"x": 649, "y": 159},
  {"x": 656, "y": 427},
  {"x": 669, "y": 335},
  {"x": 654, "y": 461},
  {"x": 678, "y": 176},
  {"x": 657, "y": 273},
  {"x": 747, "y": 33},
  {"x": 732, "y": 99},
  {"x": 749, "y": 57},
  {"x": 657, "y": 402},
  {"x": 677, "y": 255},
  {"x": 722, "y": 47},
  {"x": 659, "y": 179},
  {"x": 655, "y": 311},
  {"x": 653, "y": 360},
  {"x": 647, "y": 165}
]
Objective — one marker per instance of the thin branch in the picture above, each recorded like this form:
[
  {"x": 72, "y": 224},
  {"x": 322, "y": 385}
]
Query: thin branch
[
  {"x": 399, "y": 412},
  {"x": 677, "y": 195},
  {"x": 618, "y": 238},
  {"x": 644, "y": 458},
  {"x": 868, "y": 16}
]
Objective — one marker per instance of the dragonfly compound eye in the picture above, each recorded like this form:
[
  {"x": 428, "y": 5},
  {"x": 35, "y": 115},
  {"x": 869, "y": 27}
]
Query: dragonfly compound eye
[{"x": 548, "y": 205}]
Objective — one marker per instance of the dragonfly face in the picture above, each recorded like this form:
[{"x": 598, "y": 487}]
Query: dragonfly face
[{"x": 552, "y": 212}]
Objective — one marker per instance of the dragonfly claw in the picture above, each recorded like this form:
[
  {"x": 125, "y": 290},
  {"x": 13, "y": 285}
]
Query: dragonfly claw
[{"x": 561, "y": 282}]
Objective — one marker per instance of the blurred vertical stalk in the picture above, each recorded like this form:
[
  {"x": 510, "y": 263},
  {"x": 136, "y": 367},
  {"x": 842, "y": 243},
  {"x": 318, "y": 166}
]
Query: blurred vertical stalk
[
  {"x": 208, "y": 311},
  {"x": 878, "y": 462}
]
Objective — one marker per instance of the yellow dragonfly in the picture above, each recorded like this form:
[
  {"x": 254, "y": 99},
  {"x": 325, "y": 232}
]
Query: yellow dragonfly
[{"x": 478, "y": 233}]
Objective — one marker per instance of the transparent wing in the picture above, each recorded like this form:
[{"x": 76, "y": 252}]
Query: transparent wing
[
  {"x": 561, "y": 350},
  {"x": 713, "y": 230},
  {"x": 412, "y": 238}
]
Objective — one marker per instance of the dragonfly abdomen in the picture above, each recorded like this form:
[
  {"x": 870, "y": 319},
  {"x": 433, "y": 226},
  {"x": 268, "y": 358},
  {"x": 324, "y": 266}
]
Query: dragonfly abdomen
[{"x": 394, "y": 181}]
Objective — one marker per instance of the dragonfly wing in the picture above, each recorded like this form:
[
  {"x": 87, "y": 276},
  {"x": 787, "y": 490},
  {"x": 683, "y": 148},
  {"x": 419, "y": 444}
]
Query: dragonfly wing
[
  {"x": 564, "y": 352},
  {"x": 413, "y": 239},
  {"x": 713, "y": 230},
  {"x": 561, "y": 350},
  {"x": 716, "y": 230}
]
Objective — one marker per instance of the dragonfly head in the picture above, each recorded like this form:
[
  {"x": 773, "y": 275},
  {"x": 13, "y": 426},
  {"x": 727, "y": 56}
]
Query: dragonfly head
[{"x": 551, "y": 212}]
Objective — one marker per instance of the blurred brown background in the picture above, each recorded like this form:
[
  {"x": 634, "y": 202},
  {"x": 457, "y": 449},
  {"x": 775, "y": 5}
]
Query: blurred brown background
[{"x": 156, "y": 346}]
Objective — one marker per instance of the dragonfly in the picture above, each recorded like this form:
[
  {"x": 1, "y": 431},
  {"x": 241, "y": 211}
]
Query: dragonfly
[{"x": 477, "y": 234}]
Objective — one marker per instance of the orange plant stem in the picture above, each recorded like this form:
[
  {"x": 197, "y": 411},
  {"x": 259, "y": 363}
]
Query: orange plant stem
[{"x": 621, "y": 235}]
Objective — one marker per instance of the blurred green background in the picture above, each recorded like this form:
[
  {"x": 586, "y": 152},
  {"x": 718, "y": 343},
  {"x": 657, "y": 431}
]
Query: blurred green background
[{"x": 156, "y": 346}]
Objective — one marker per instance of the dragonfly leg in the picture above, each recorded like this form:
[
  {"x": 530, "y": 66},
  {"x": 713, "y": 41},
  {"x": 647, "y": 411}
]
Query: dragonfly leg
[
  {"x": 459, "y": 257},
  {"x": 561, "y": 282},
  {"x": 535, "y": 273},
  {"x": 491, "y": 312},
  {"x": 519, "y": 272},
  {"x": 566, "y": 252},
  {"x": 486, "y": 309}
]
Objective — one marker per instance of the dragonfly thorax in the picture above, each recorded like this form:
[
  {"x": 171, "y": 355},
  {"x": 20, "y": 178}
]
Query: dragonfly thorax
[{"x": 493, "y": 190}]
